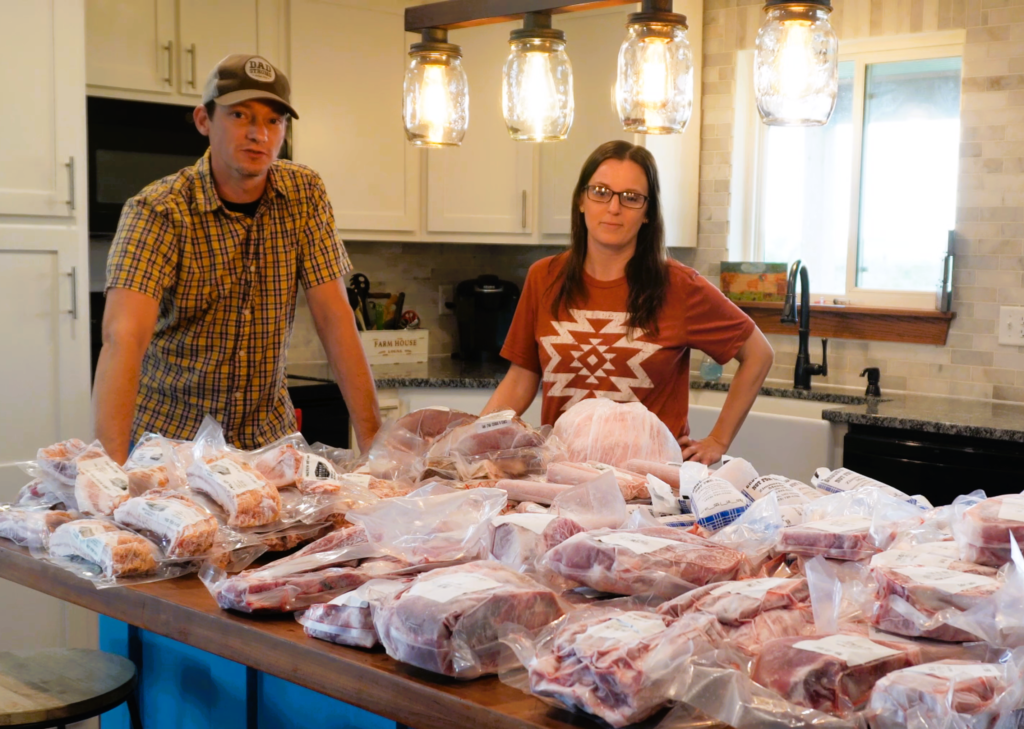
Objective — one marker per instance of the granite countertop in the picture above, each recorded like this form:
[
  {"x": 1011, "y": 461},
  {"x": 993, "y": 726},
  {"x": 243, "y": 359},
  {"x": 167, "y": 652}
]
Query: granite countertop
[{"x": 926, "y": 413}]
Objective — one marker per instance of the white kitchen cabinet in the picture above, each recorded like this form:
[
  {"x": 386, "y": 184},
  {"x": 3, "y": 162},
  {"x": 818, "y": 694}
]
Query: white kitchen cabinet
[
  {"x": 162, "y": 50},
  {"x": 486, "y": 185},
  {"x": 348, "y": 64}
]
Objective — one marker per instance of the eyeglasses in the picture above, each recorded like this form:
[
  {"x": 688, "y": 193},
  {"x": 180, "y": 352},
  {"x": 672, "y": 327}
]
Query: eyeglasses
[{"x": 602, "y": 194}]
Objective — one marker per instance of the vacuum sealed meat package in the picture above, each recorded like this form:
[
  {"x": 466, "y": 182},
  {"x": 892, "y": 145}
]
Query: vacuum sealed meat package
[
  {"x": 100, "y": 484},
  {"x": 348, "y": 619},
  {"x": 519, "y": 540},
  {"x": 30, "y": 527},
  {"x": 597, "y": 429},
  {"x": 289, "y": 461},
  {"x": 116, "y": 552},
  {"x": 155, "y": 463},
  {"x": 632, "y": 485},
  {"x": 842, "y": 480},
  {"x": 243, "y": 492},
  {"x": 400, "y": 445},
  {"x": 447, "y": 620},
  {"x": 983, "y": 531},
  {"x": 846, "y": 538},
  {"x": 654, "y": 560},
  {"x": 58, "y": 460},
  {"x": 179, "y": 525}
]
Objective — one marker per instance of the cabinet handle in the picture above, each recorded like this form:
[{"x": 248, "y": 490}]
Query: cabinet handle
[
  {"x": 73, "y": 274},
  {"x": 524, "y": 209},
  {"x": 70, "y": 164},
  {"x": 170, "y": 62},
  {"x": 191, "y": 51}
]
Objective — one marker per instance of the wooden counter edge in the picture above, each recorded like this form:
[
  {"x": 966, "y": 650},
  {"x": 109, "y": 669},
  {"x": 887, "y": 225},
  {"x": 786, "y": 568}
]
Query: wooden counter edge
[{"x": 346, "y": 674}]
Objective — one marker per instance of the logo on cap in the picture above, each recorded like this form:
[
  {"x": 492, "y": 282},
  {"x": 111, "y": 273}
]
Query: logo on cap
[{"x": 260, "y": 70}]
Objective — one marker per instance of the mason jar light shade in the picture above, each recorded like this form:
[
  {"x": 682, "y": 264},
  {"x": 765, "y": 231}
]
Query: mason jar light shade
[
  {"x": 436, "y": 99},
  {"x": 796, "y": 65},
  {"x": 654, "y": 90},
  {"x": 536, "y": 93}
]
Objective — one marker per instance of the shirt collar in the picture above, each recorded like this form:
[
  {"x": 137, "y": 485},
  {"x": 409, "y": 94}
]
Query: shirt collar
[{"x": 207, "y": 199}]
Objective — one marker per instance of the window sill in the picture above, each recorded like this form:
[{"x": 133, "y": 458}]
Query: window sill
[{"x": 911, "y": 326}]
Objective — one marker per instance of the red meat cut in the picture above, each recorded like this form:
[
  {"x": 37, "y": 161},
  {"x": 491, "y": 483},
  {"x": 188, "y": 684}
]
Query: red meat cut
[
  {"x": 520, "y": 539},
  {"x": 986, "y": 529}
]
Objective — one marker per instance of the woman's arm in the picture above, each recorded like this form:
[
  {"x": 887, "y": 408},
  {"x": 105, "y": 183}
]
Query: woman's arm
[
  {"x": 755, "y": 358},
  {"x": 516, "y": 391}
]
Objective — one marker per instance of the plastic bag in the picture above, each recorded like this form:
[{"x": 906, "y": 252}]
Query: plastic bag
[
  {"x": 401, "y": 444},
  {"x": 841, "y": 592},
  {"x": 348, "y": 619},
  {"x": 660, "y": 561},
  {"x": 597, "y": 429},
  {"x": 59, "y": 460},
  {"x": 596, "y": 504},
  {"x": 155, "y": 463},
  {"x": 983, "y": 529},
  {"x": 519, "y": 540},
  {"x": 434, "y": 524},
  {"x": 89, "y": 481},
  {"x": 181, "y": 527},
  {"x": 30, "y": 527},
  {"x": 738, "y": 472},
  {"x": 843, "y": 479},
  {"x": 756, "y": 532},
  {"x": 999, "y": 620},
  {"x": 46, "y": 493},
  {"x": 447, "y": 620},
  {"x": 290, "y": 461}
]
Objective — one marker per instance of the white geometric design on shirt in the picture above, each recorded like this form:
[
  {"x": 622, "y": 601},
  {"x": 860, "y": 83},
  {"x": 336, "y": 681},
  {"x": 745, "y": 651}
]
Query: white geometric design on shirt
[{"x": 567, "y": 332}]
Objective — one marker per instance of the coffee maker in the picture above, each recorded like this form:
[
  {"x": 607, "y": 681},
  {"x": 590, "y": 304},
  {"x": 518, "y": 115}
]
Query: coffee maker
[{"x": 484, "y": 307}]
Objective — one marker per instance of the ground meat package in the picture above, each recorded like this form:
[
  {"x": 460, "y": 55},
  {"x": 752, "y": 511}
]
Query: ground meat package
[
  {"x": 447, "y": 620},
  {"x": 597, "y": 429},
  {"x": 100, "y": 484},
  {"x": 59, "y": 460},
  {"x": 948, "y": 694},
  {"x": 30, "y": 527},
  {"x": 156, "y": 463},
  {"x": 348, "y": 619},
  {"x": 983, "y": 530},
  {"x": 181, "y": 527},
  {"x": 662, "y": 561}
]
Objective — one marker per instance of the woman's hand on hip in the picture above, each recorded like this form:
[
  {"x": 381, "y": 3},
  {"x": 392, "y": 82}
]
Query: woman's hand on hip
[{"x": 706, "y": 450}]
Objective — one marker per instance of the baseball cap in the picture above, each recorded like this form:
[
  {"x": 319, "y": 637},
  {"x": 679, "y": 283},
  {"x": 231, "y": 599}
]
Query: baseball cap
[{"x": 240, "y": 77}]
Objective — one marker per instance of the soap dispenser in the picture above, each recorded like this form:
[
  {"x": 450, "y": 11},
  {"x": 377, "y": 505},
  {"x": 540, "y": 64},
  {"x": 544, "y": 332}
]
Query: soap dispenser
[{"x": 874, "y": 374}]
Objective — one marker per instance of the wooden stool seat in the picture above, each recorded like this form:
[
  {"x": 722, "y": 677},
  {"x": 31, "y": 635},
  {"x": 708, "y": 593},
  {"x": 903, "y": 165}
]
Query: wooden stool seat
[{"x": 54, "y": 687}]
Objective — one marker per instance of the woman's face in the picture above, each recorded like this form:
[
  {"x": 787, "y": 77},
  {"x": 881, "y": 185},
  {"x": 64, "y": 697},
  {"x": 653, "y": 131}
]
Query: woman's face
[{"x": 610, "y": 224}]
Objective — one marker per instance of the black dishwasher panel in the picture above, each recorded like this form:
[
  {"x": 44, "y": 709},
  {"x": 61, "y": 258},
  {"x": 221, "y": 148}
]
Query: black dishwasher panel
[
  {"x": 937, "y": 465},
  {"x": 324, "y": 415}
]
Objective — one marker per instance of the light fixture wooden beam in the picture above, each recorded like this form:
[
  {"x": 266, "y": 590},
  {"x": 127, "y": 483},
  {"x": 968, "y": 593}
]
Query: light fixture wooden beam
[{"x": 468, "y": 13}]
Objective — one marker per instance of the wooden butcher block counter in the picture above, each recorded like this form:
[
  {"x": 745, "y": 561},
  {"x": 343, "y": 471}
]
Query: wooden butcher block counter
[{"x": 183, "y": 610}]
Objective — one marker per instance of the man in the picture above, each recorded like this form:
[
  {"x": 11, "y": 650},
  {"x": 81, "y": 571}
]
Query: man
[{"x": 202, "y": 281}]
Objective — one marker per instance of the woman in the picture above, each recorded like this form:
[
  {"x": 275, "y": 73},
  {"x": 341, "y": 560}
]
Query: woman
[{"x": 615, "y": 317}]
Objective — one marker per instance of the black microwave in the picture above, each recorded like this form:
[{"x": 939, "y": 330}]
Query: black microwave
[{"x": 134, "y": 143}]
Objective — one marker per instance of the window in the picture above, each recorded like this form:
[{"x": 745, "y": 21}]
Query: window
[{"x": 868, "y": 200}]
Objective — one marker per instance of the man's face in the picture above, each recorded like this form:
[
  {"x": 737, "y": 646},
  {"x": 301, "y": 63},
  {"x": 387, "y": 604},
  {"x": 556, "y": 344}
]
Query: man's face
[{"x": 245, "y": 137}]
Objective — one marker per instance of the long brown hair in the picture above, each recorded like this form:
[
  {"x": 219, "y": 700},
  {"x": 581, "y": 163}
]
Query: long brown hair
[{"x": 646, "y": 271}]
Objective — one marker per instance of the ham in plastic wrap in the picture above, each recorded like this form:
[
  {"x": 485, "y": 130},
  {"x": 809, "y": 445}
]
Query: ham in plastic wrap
[{"x": 597, "y": 429}]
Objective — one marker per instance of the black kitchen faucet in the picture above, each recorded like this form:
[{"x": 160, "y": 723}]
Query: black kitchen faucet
[{"x": 804, "y": 367}]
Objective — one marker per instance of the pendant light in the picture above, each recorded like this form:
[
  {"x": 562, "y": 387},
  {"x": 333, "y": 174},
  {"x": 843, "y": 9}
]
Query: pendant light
[
  {"x": 436, "y": 92},
  {"x": 536, "y": 93},
  {"x": 654, "y": 90},
  {"x": 796, "y": 64}
]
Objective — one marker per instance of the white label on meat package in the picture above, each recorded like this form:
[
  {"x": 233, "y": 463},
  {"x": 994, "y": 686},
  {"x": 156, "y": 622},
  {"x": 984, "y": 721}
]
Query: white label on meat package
[
  {"x": 359, "y": 479},
  {"x": 1012, "y": 509},
  {"x": 948, "y": 580},
  {"x": 316, "y": 467},
  {"x": 840, "y": 524},
  {"x": 232, "y": 477},
  {"x": 91, "y": 543},
  {"x": 628, "y": 628},
  {"x": 786, "y": 490},
  {"x": 494, "y": 420},
  {"x": 903, "y": 558},
  {"x": 843, "y": 479},
  {"x": 536, "y": 523},
  {"x": 449, "y": 587},
  {"x": 750, "y": 588},
  {"x": 106, "y": 474},
  {"x": 714, "y": 495},
  {"x": 146, "y": 456},
  {"x": 361, "y": 596},
  {"x": 639, "y": 543},
  {"x": 170, "y": 513},
  {"x": 958, "y": 672},
  {"x": 851, "y": 649}
]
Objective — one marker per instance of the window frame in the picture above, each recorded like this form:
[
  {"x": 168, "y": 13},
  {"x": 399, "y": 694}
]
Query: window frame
[{"x": 746, "y": 241}]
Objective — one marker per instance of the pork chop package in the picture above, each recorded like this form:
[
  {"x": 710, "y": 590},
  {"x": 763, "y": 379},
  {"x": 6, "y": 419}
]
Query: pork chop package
[
  {"x": 156, "y": 462},
  {"x": 108, "y": 555},
  {"x": 597, "y": 429},
  {"x": 434, "y": 524},
  {"x": 30, "y": 527},
  {"x": 999, "y": 618},
  {"x": 949, "y": 694},
  {"x": 983, "y": 530},
  {"x": 755, "y": 533},
  {"x": 615, "y": 663},
  {"x": 519, "y": 540},
  {"x": 447, "y": 620},
  {"x": 401, "y": 444},
  {"x": 661, "y": 561},
  {"x": 348, "y": 619}
]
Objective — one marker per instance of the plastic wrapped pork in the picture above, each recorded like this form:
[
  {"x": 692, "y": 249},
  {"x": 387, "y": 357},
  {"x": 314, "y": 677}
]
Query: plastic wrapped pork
[
  {"x": 178, "y": 524},
  {"x": 985, "y": 529},
  {"x": 291, "y": 461},
  {"x": 447, "y": 620},
  {"x": 401, "y": 444},
  {"x": 348, "y": 619},
  {"x": 30, "y": 527},
  {"x": 242, "y": 491},
  {"x": 598, "y": 429},
  {"x": 519, "y": 540}
]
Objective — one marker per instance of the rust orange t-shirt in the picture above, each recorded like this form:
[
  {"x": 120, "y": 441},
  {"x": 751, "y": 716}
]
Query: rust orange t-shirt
[{"x": 589, "y": 351}]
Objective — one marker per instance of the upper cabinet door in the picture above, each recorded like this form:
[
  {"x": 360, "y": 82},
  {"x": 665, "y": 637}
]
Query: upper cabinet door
[
  {"x": 593, "y": 40},
  {"x": 486, "y": 185},
  {"x": 348, "y": 63},
  {"x": 41, "y": 46},
  {"x": 129, "y": 44},
  {"x": 208, "y": 31}
]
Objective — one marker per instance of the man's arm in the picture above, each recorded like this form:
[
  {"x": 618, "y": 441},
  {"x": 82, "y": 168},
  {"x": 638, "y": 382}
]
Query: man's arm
[
  {"x": 336, "y": 326},
  {"x": 129, "y": 319},
  {"x": 755, "y": 358},
  {"x": 515, "y": 392}
]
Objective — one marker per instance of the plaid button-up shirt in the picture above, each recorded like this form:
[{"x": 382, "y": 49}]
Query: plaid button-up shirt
[{"x": 226, "y": 284}]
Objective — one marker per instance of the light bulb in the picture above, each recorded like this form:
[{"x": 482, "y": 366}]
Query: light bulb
[
  {"x": 654, "y": 86},
  {"x": 433, "y": 103},
  {"x": 794, "y": 60},
  {"x": 540, "y": 103}
]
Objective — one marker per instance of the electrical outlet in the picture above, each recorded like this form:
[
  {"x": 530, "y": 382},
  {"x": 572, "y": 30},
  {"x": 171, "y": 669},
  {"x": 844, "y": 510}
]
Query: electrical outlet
[
  {"x": 445, "y": 292},
  {"x": 1011, "y": 325}
]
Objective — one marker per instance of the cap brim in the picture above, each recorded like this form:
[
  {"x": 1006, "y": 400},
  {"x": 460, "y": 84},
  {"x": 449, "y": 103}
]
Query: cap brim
[{"x": 241, "y": 95}]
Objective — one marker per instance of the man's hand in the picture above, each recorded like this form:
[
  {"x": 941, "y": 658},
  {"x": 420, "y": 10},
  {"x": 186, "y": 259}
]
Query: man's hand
[{"x": 706, "y": 450}]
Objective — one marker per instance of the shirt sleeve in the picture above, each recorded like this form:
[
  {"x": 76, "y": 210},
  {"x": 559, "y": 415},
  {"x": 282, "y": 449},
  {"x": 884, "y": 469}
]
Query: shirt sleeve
[
  {"x": 520, "y": 346},
  {"x": 714, "y": 324},
  {"x": 324, "y": 257},
  {"x": 144, "y": 254}
]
